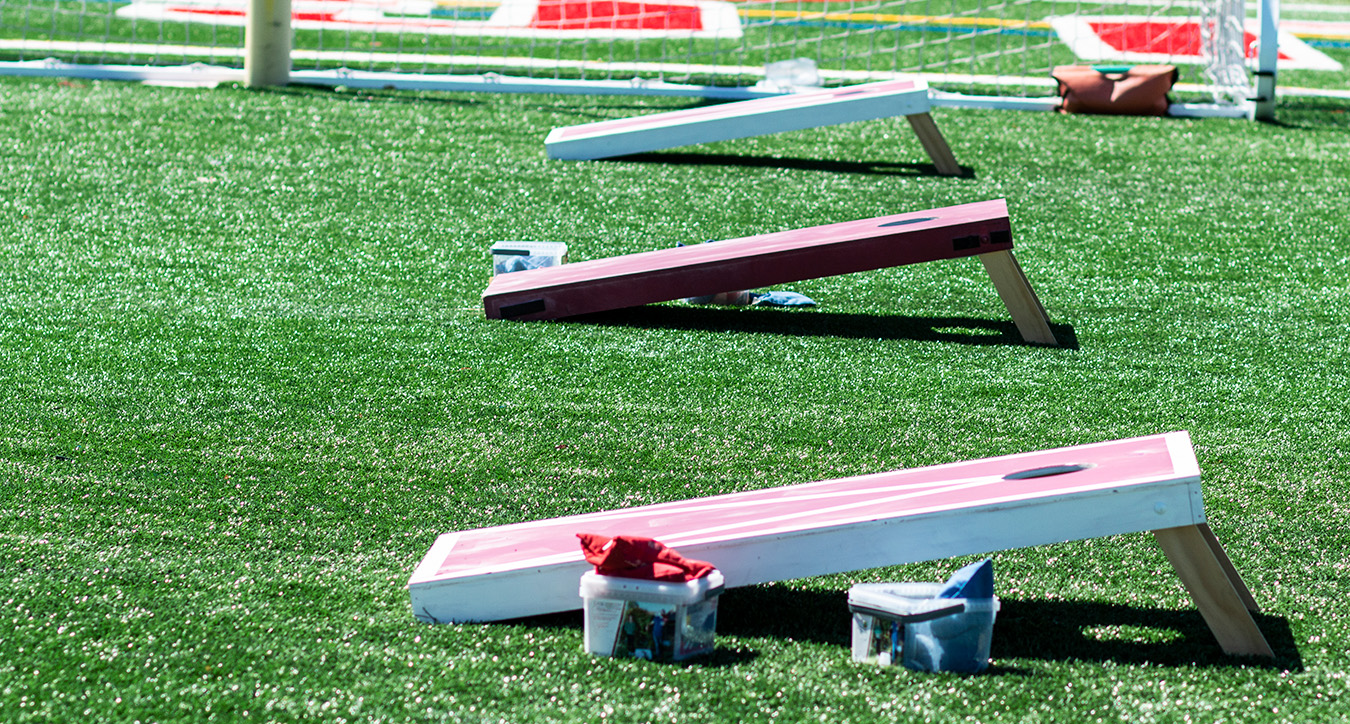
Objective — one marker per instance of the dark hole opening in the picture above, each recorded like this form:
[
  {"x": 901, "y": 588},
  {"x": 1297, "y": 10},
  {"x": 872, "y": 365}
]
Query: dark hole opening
[
  {"x": 519, "y": 310},
  {"x": 906, "y": 222},
  {"x": 1047, "y": 471},
  {"x": 961, "y": 243}
]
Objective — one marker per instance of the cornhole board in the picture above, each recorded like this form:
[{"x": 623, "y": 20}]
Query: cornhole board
[
  {"x": 758, "y": 117},
  {"x": 1016, "y": 501},
  {"x": 979, "y": 229}
]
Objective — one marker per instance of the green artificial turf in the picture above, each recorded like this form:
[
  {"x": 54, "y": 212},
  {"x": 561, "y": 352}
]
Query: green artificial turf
[{"x": 248, "y": 381}]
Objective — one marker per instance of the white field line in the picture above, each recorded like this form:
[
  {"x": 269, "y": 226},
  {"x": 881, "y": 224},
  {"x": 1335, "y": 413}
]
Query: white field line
[
  {"x": 419, "y": 59},
  {"x": 416, "y": 59},
  {"x": 96, "y": 48}
]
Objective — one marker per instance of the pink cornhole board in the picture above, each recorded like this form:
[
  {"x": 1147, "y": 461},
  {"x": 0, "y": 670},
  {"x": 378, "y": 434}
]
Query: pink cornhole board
[
  {"x": 758, "y": 117},
  {"x": 979, "y": 229},
  {"x": 1127, "y": 486}
]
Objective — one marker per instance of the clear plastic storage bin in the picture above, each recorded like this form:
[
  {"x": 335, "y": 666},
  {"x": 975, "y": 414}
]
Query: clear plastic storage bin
[
  {"x": 906, "y": 624},
  {"x": 653, "y": 620},
  {"x": 513, "y": 256}
]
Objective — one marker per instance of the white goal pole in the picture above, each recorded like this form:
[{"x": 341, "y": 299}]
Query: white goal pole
[
  {"x": 267, "y": 43},
  {"x": 1263, "y": 109}
]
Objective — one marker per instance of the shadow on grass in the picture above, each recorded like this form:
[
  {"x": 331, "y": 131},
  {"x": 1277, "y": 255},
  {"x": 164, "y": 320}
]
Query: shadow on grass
[
  {"x": 1041, "y": 630},
  {"x": 873, "y": 168},
  {"x": 1044, "y": 630},
  {"x": 1311, "y": 113},
  {"x": 1095, "y": 631},
  {"x": 367, "y": 95},
  {"x": 812, "y": 323}
]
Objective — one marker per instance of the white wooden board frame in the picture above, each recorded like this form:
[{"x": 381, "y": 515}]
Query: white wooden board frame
[
  {"x": 759, "y": 117},
  {"x": 1090, "y": 491},
  {"x": 980, "y": 229}
]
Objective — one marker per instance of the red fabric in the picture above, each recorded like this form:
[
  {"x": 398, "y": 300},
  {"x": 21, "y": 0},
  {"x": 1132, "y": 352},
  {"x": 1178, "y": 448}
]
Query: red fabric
[
  {"x": 629, "y": 556},
  {"x": 602, "y": 14},
  {"x": 1168, "y": 37}
]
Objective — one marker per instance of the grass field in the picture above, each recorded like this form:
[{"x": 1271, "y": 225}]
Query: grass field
[{"x": 248, "y": 381}]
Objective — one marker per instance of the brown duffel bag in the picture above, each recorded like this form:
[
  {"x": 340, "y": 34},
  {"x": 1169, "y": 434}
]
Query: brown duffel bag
[{"x": 1138, "y": 90}]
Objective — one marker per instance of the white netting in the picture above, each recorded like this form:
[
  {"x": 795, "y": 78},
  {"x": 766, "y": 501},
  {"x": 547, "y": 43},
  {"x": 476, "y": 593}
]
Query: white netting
[
  {"x": 90, "y": 32},
  {"x": 1225, "y": 48},
  {"x": 1006, "y": 47}
]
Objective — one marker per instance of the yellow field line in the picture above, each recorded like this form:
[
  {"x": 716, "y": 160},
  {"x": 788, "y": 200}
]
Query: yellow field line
[
  {"x": 880, "y": 18},
  {"x": 1321, "y": 36},
  {"x": 885, "y": 18},
  {"x": 467, "y": 4},
  {"x": 843, "y": 17},
  {"x": 889, "y": 19}
]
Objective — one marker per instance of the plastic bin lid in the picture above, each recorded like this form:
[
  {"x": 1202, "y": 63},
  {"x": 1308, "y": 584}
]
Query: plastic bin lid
[
  {"x": 594, "y": 585},
  {"x": 526, "y": 248},
  {"x": 910, "y": 602}
]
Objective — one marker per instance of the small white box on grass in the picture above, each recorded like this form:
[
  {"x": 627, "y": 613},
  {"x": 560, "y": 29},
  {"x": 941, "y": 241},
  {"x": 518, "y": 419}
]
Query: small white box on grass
[
  {"x": 514, "y": 256},
  {"x": 906, "y": 624},
  {"x": 653, "y": 620},
  {"x": 791, "y": 75}
]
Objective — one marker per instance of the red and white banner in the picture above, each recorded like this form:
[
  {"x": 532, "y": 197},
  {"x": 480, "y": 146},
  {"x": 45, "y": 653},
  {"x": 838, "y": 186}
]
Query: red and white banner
[
  {"x": 512, "y": 18},
  {"x": 1137, "y": 39}
]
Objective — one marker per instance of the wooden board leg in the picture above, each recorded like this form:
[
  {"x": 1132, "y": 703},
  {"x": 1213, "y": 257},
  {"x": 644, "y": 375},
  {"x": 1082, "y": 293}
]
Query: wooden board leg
[
  {"x": 934, "y": 144},
  {"x": 1212, "y": 589},
  {"x": 1233, "y": 577},
  {"x": 1018, "y": 296}
]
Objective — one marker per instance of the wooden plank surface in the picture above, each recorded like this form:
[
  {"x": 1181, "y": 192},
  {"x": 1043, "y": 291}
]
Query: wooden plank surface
[
  {"x": 529, "y": 568},
  {"x": 1211, "y": 586},
  {"x": 742, "y": 119},
  {"x": 1018, "y": 296},
  {"x": 934, "y": 144},
  {"x": 751, "y": 262}
]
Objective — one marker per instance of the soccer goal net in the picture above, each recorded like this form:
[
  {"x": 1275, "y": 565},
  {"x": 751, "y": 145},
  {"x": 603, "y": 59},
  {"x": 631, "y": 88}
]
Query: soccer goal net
[{"x": 988, "y": 47}]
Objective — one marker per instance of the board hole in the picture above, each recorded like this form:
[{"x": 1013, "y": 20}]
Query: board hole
[
  {"x": 1047, "y": 471},
  {"x": 906, "y": 222}
]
